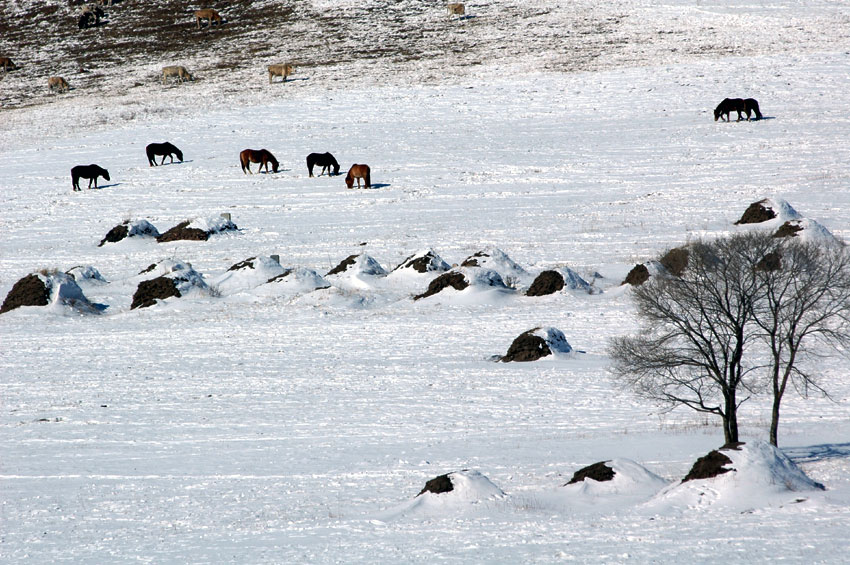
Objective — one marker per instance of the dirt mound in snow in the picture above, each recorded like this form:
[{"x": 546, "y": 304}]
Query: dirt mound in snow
[
  {"x": 497, "y": 260},
  {"x": 28, "y": 291},
  {"x": 438, "y": 485},
  {"x": 453, "y": 279},
  {"x": 197, "y": 230},
  {"x": 709, "y": 466},
  {"x": 789, "y": 229},
  {"x": 637, "y": 276},
  {"x": 547, "y": 282},
  {"x": 139, "y": 228},
  {"x": 599, "y": 472},
  {"x": 757, "y": 212},
  {"x": 424, "y": 262},
  {"x": 150, "y": 291},
  {"x": 361, "y": 264},
  {"x": 536, "y": 344},
  {"x": 675, "y": 260}
]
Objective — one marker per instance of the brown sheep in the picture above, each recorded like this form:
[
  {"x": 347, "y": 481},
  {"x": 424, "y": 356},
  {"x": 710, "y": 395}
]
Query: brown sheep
[{"x": 7, "y": 64}]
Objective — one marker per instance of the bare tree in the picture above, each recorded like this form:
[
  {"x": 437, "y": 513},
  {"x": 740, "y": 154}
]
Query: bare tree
[
  {"x": 805, "y": 302},
  {"x": 697, "y": 328}
]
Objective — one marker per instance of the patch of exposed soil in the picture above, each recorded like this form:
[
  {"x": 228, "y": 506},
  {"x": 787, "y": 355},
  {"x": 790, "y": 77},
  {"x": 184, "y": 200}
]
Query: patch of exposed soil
[
  {"x": 451, "y": 279},
  {"x": 115, "y": 235},
  {"x": 181, "y": 232},
  {"x": 422, "y": 264},
  {"x": 788, "y": 229},
  {"x": 472, "y": 260},
  {"x": 770, "y": 262},
  {"x": 637, "y": 276},
  {"x": 28, "y": 291},
  {"x": 547, "y": 282},
  {"x": 148, "y": 292},
  {"x": 246, "y": 264},
  {"x": 344, "y": 265},
  {"x": 598, "y": 472},
  {"x": 756, "y": 213},
  {"x": 675, "y": 260},
  {"x": 438, "y": 485},
  {"x": 527, "y": 347},
  {"x": 708, "y": 466}
]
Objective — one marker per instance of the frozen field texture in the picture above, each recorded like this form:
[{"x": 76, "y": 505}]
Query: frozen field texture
[{"x": 261, "y": 424}]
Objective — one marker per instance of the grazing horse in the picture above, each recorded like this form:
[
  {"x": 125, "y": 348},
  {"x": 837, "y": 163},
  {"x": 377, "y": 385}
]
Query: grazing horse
[
  {"x": 90, "y": 172},
  {"x": 281, "y": 71},
  {"x": 739, "y": 105},
  {"x": 261, "y": 156},
  {"x": 207, "y": 14},
  {"x": 358, "y": 172},
  {"x": 324, "y": 160},
  {"x": 58, "y": 83},
  {"x": 164, "y": 150},
  {"x": 176, "y": 71}
]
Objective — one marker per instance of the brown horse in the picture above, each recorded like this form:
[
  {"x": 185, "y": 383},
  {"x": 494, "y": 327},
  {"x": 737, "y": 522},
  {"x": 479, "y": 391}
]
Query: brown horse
[
  {"x": 261, "y": 156},
  {"x": 358, "y": 172},
  {"x": 207, "y": 14}
]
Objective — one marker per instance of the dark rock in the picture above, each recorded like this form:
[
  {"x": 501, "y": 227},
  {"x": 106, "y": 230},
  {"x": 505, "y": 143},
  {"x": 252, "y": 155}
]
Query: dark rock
[
  {"x": 598, "y": 472},
  {"x": 547, "y": 282},
  {"x": 452, "y": 279},
  {"x": 148, "y": 292},
  {"x": 756, "y": 213},
  {"x": 28, "y": 291}
]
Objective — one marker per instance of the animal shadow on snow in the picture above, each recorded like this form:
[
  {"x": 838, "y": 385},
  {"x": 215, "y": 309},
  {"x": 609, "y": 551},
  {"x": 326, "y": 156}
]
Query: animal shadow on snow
[
  {"x": 377, "y": 185},
  {"x": 176, "y": 162},
  {"x": 101, "y": 187},
  {"x": 814, "y": 453}
]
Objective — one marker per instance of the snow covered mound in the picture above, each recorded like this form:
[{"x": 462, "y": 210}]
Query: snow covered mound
[
  {"x": 628, "y": 480},
  {"x": 199, "y": 229},
  {"x": 746, "y": 474},
  {"x": 496, "y": 260},
  {"x": 423, "y": 262},
  {"x": 137, "y": 228},
  {"x": 557, "y": 280},
  {"x": 356, "y": 272},
  {"x": 447, "y": 494},
  {"x": 781, "y": 218},
  {"x": 166, "y": 279},
  {"x": 48, "y": 288},
  {"x": 466, "y": 280},
  {"x": 86, "y": 275},
  {"x": 537, "y": 343},
  {"x": 248, "y": 274},
  {"x": 294, "y": 281}
]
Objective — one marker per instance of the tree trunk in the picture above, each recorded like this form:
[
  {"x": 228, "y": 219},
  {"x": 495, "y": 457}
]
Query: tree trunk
[
  {"x": 730, "y": 419},
  {"x": 774, "y": 421}
]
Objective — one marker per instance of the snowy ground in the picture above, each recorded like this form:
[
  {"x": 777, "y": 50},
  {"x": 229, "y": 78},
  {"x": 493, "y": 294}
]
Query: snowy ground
[{"x": 257, "y": 427}]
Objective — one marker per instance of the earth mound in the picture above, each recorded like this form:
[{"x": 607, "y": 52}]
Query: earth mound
[
  {"x": 453, "y": 279},
  {"x": 44, "y": 288},
  {"x": 424, "y": 262},
  {"x": 198, "y": 229},
  {"x": 556, "y": 280},
  {"x": 438, "y": 485},
  {"x": 460, "y": 486},
  {"x": 757, "y": 212},
  {"x": 151, "y": 291},
  {"x": 638, "y": 275},
  {"x": 361, "y": 264},
  {"x": 138, "y": 228},
  {"x": 248, "y": 274},
  {"x": 535, "y": 344},
  {"x": 599, "y": 472},
  {"x": 675, "y": 260},
  {"x": 497, "y": 260},
  {"x": 173, "y": 279},
  {"x": 709, "y": 466},
  {"x": 300, "y": 280},
  {"x": 462, "y": 279}
]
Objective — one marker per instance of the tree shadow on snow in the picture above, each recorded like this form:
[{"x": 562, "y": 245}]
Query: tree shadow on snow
[{"x": 815, "y": 453}]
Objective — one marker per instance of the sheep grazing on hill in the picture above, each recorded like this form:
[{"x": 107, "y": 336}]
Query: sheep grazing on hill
[
  {"x": 7, "y": 64},
  {"x": 208, "y": 14},
  {"x": 58, "y": 83},
  {"x": 283, "y": 70},
  {"x": 176, "y": 71}
]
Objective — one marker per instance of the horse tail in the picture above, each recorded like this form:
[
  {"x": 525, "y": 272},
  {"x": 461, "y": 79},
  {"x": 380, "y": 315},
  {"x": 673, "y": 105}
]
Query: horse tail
[
  {"x": 756, "y": 109},
  {"x": 243, "y": 160},
  {"x": 310, "y": 164},
  {"x": 149, "y": 152},
  {"x": 368, "y": 177}
]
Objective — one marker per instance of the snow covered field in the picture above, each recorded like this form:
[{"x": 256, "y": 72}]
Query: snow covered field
[{"x": 255, "y": 425}]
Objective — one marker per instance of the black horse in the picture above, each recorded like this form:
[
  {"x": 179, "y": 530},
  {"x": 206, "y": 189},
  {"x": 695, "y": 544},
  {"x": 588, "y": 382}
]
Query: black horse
[
  {"x": 163, "y": 150},
  {"x": 90, "y": 172},
  {"x": 324, "y": 160},
  {"x": 749, "y": 106}
]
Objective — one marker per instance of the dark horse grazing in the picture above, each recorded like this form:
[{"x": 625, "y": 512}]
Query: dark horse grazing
[
  {"x": 163, "y": 150},
  {"x": 90, "y": 172},
  {"x": 739, "y": 105},
  {"x": 324, "y": 160},
  {"x": 358, "y": 172},
  {"x": 261, "y": 156}
]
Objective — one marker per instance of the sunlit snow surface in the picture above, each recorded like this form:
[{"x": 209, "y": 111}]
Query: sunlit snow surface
[{"x": 250, "y": 422}]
